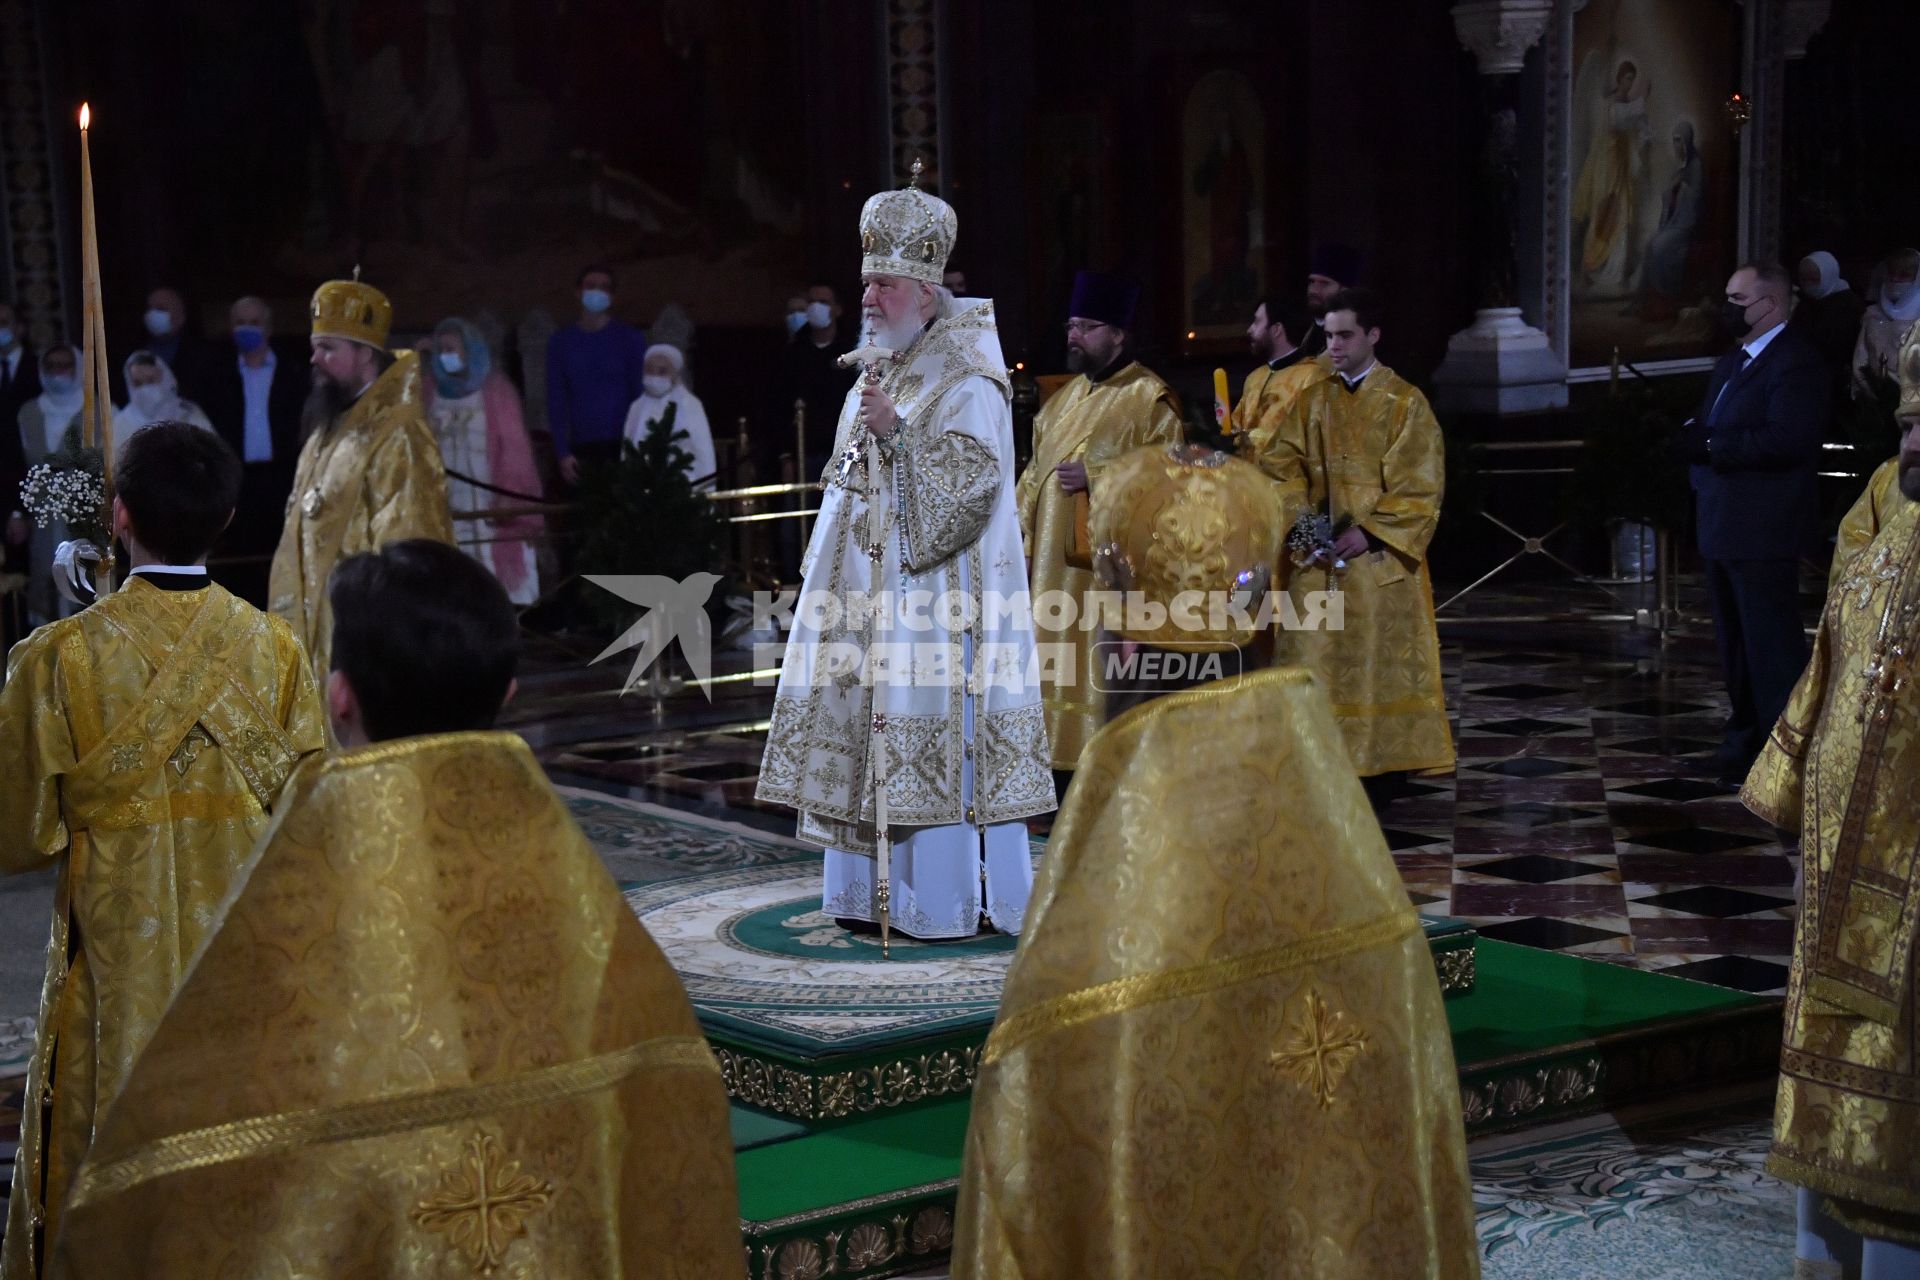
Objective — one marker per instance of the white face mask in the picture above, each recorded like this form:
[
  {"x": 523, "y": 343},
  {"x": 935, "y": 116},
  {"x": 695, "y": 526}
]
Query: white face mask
[
  {"x": 657, "y": 384},
  {"x": 151, "y": 399},
  {"x": 451, "y": 362},
  {"x": 819, "y": 314}
]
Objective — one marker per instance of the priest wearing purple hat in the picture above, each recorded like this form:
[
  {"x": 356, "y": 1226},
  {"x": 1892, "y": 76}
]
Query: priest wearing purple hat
[
  {"x": 1332, "y": 267},
  {"x": 1114, "y": 406}
]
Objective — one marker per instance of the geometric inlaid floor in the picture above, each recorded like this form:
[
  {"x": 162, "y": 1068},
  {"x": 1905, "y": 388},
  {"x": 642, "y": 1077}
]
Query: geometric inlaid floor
[{"x": 1574, "y": 821}]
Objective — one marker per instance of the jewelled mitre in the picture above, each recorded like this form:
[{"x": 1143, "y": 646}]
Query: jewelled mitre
[
  {"x": 1187, "y": 519},
  {"x": 352, "y": 310},
  {"x": 1909, "y": 370},
  {"x": 907, "y": 233}
]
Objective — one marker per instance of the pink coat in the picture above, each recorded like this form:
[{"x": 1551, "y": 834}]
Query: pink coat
[{"x": 510, "y": 464}]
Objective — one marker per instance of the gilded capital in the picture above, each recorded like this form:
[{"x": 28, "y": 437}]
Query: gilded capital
[{"x": 1499, "y": 32}]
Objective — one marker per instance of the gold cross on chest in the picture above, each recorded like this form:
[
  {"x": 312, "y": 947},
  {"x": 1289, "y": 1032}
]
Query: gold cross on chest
[{"x": 483, "y": 1205}]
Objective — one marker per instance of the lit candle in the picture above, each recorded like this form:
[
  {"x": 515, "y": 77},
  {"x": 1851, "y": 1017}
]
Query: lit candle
[{"x": 96, "y": 430}]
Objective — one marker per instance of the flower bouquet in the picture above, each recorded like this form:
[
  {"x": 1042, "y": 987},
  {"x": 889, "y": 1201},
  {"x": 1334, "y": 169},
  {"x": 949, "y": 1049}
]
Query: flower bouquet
[{"x": 68, "y": 493}]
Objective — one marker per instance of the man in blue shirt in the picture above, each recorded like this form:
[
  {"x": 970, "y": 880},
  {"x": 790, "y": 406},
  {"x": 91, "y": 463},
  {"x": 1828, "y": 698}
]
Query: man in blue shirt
[{"x": 593, "y": 376}]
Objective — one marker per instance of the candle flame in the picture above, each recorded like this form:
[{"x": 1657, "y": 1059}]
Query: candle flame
[{"x": 86, "y": 116}]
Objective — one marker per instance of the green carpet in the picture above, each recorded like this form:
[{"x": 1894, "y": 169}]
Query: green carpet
[{"x": 1526, "y": 1000}]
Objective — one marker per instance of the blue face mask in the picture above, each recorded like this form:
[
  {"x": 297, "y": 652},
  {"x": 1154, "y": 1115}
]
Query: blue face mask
[
  {"x": 6, "y": 337},
  {"x": 249, "y": 338},
  {"x": 595, "y": 300},
  {"x": 60, "y": 385},
  {"x": 159, "y": 323},
  {"x": 451, "y": 362}
]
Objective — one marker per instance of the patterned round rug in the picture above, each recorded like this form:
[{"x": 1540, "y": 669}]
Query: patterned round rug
[{"x": 759, "y": 959}]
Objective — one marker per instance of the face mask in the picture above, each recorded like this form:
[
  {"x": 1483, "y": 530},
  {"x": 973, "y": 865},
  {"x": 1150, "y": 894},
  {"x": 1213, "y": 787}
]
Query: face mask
[
  {"x": 1897, "y": 291},
  {"x": 249, "y": 338},
  {"x": 1733, "y": 318},
  {"x": 819, "y": 314},
  {"x": 150, "y": 399},
  {"x": 451, "y": 362},
  {"x": 6, "y": 338},
  {"x": 595, "y": 300},
  {"x": 796, "y": 321},
  {"x": 657, "y": 384},
  {"x": 159, "y": 323},
  {"x": 60, "y": 385}
]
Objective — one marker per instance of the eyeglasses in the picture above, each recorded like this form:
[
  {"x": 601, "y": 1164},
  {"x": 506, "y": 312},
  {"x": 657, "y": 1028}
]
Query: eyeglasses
[{"x": 1085, "y": 326}]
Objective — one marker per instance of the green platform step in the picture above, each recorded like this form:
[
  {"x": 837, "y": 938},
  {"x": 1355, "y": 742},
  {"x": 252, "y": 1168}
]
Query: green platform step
[{"x": 1542, "y": 1037}]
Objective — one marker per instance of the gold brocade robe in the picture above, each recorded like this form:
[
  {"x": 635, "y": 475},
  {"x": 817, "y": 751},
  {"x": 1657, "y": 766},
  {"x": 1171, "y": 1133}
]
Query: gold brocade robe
[
  {"x": 427, "y": 1039},
  {"x": 1864, "y": 518},
  {"x": 1841, "y": 768},
  {"x": 142, "y": 742},
  {"x": 1266, "y": 397},
  {"x": 1382, "y": 669},
  {"x": 1221, "y": 1049},
  {"x": 375, "y": 478},
  {"x": 1093, "y": 423}
]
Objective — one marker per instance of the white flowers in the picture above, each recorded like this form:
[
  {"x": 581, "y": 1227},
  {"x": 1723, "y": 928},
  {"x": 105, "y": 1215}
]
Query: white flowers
[{"x": 67, "y": 495}]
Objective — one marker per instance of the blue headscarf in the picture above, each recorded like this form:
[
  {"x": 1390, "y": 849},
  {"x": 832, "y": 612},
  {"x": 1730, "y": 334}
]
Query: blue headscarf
[{"x": 479, "y": 362}]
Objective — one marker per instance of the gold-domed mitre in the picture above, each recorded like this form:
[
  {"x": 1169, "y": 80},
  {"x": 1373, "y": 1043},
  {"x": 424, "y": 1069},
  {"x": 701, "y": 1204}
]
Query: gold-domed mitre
[
  {"x": 1187, "y": 519},
  {"x": 1909, "y": 369},
  {"x": 907, "y": 233},
  {"x": 352, "y": 310}
]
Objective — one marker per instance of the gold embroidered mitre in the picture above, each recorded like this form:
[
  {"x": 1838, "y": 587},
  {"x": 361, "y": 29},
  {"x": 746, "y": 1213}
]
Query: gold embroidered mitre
[
  {"x": 1909, "y": 368},
  {"x": 907, "y": 233},
  {"x": 352, "y": 310},
  {"x": 1187, "y": 519}
]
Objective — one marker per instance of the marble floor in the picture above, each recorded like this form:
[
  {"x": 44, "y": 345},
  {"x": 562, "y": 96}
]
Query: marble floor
[{"x": 1575, "y": 820}]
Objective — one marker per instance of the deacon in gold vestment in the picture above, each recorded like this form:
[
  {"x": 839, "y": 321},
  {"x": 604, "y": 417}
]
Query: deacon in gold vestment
[
  {"x": 142, "y": 742},
  {"x": 1865, "y": 517},
  {"x": 1362, "y": 446},
  {"x": 1221, "y": 1048},
  {"x": 428, "y": 1039},
  {"x": 370, "y": 472},
  {"x": 1841, "y": 768},
  {"x": 1285, "y": 369},
  {"x": 1114, "y": 406}
]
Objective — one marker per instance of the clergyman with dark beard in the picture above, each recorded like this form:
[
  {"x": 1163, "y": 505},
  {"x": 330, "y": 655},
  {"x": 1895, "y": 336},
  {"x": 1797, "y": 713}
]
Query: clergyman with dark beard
[{"x": 370, "y": 470}]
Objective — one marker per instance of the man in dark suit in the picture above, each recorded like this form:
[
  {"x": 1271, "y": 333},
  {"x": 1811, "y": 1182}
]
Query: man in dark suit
[
  {"x": 253, "y": 398},
  {"x": 1754, "y": 446}
]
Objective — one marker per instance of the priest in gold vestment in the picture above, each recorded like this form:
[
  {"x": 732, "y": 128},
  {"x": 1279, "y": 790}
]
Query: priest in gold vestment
[
  {"x": 142, "y": 743},
  {"x": 1841, "y": 768},
  {"x": 1865, "y": 517},
  {"x": 1114, "y": 406},
  {"x": 370, "y": 471},
  {"x": 1221, "y": 1048},
  {"x": 1279, "y": 327},
  {"x": 428, "y": 1038},
  {"x": 1362, "y": 447}
]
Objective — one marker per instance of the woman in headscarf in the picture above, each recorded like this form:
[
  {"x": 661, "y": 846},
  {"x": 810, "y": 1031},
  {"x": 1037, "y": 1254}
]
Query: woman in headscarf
[
  {"x": 1828, "y": 315},
  {"x": 153, "y": 395},
  {"x": 660, "y": 376},
  {"x": 1887, "y": 321},
  {"x": 476, "y": 416},
  {"x": 43, "y": 423}
]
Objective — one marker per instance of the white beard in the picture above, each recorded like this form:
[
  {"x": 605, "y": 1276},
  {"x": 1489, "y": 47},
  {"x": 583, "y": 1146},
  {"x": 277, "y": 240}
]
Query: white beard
[{"x": 894, "y": 337}]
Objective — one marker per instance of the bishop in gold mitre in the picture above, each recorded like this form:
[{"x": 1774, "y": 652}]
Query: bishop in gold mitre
[
  {"x": 1279, "y": 327},
  {"x": 1221, "y": 1047},
  {"x": 1361, "y": 447},
  {"x": 142, "y": 743},
  {"x": 1841, "y": 768},
  {"x": 428, "y": 1038},
  {"x": 1114, "y": 405},
  {"x": 370, "y": 471}
]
